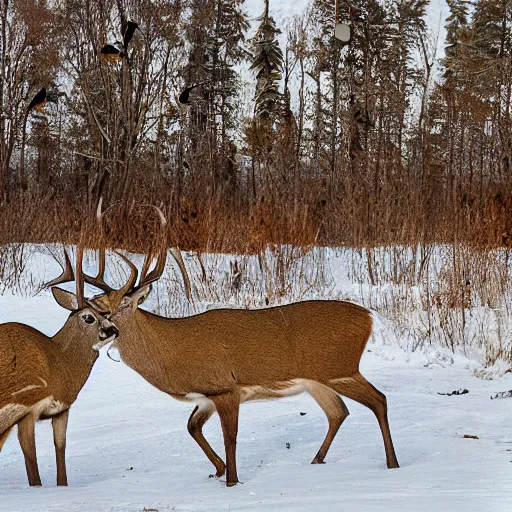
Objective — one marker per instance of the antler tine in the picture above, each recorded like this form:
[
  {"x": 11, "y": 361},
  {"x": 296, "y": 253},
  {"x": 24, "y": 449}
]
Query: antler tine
[
  {"x": 67, "y": 273},
  {"x": 176, "y": 253},
  {"x": 146, "y": 278},
  {"x": 80, "y": 297},
  {"x": 133, "y": 276},
  {"x": 99, "y": 280}
]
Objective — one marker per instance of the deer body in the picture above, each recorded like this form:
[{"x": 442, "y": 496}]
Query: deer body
[
  {"x": 40, "y": 377},
  {"x": 222, "y": 358},
  {"x": 268, "y": 348},
  {"x": 225, "y": 357}
]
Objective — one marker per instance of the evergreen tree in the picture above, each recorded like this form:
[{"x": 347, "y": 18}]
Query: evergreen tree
[
  {"x": 216, "y": 32},
  {"x": 268, "y": 64},
  {"x": 226, "y": 48},
  {"x": 457, "y": 21},
  {"x": 492, "y": 27}
]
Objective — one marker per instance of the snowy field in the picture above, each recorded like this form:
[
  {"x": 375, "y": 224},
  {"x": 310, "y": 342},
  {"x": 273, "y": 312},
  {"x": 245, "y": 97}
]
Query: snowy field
[{"x": 129, "y": 450}]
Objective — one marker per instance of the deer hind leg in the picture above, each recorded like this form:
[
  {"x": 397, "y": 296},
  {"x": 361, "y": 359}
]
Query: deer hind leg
[
  {"x": 335, "y": 410},
  {"x": 358, "y": 388},
  {"x": 4, "y": 436},
  {"x": 26, "y": 437},
  {"x": 228, "y": 406},
  {"x": 60, "y": 425},
  {"x": 200, "y": 415}
]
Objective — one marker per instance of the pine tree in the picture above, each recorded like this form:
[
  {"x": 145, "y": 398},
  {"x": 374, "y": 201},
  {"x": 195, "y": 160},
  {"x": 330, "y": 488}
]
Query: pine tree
[
  {"x": 226, "y": 48},
  {"x": 216, "y": 33},
  {"x": 492, "y": 27},
  {"x": 457, "y": 21},
  {"x": 268, "y": 64}
]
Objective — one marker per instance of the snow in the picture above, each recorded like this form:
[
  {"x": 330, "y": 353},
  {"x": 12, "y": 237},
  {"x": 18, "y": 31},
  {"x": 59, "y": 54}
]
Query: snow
[{"x": 129, "y": 449}]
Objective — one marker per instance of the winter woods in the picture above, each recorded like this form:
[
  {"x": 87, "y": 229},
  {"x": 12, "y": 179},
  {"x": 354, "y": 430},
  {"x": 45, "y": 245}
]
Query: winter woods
[{"x": 278, "y": 123}]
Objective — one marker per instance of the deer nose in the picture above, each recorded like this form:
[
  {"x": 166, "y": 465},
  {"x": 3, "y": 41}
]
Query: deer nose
[{"x": 109, "y": 332}]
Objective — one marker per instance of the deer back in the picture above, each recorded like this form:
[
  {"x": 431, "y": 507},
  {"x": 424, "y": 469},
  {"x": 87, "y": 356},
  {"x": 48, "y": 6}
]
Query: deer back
[{"x": 215, "y": 350}]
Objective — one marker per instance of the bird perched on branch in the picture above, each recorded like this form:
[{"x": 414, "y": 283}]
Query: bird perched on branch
[
  {"x": 185, "y": 94},
  {"x": 112, "y": 52},
  {"x": 130, "y": 29},
  {"x": 363, "y": 117},
  {"x": 38, "y": 101}
]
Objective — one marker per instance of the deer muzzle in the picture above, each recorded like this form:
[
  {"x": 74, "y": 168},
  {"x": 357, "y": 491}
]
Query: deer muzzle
[{"x": 109, "y": 332}]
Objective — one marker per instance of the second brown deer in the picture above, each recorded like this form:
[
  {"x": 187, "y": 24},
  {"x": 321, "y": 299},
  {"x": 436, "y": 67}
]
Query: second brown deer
[
  {"x": 222, "y": 358},
  {"x": 40, "y": 377}
]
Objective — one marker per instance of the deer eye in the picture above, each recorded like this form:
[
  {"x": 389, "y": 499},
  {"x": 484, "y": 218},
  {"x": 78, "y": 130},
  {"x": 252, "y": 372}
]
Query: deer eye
[{"x": 89, "y": 319}]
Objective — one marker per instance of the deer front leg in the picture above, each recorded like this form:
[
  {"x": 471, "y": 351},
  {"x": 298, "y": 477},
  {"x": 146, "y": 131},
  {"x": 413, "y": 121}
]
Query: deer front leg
[
  {"x": 60, "y": 425},
  {"x": 228, "y": 405},
  {"x": 26, "y": 437}
]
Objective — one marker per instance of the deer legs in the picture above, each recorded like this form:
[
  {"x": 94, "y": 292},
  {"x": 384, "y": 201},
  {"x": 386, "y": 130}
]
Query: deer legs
[
  {"x": 335, "y": 410},
  {"x": 228, "y": 405},
  {"x": 200, "y": 415},
  {"x": 355, "y": 387},
  {"x": 60, "y": 424},
  {"x": 358, "y": 388},
  {"x": 26, "y": 436}
]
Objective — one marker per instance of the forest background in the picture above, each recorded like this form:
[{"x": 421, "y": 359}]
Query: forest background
[{"x": 288, "y": 141}]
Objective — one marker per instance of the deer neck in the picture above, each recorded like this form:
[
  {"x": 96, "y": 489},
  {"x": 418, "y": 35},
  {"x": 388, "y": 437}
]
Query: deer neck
[
  {"x": 75, "y": 360},
  {"x": 146, "y": 346}
]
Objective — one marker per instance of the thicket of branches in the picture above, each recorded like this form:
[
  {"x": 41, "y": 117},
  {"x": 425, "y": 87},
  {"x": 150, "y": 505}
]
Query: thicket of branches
[{"x": 314, "y": 143}]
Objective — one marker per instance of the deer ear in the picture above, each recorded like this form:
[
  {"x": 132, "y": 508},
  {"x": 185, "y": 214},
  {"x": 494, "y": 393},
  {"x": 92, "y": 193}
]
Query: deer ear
[
  {"x": 65, "y": 299},
  {"x": 140, "y": 296}
]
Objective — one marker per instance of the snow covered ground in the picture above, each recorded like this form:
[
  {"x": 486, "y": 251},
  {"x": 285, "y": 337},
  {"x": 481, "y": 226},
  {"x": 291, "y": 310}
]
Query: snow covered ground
[{"x": 128, "y": 447}]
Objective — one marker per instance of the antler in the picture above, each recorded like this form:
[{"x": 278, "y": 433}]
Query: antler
[
  {"x": 147, "y": 277},
  {"x": 68, "y": 275},
  {"x": 99, "y": 281},
  {"x": 176, "y": 254},
  {"x": 160, "y": 264},
  {"x": 155, "y": 274},
  {"x": 115, "y": 296},
  {"x": 79, "y": 277}
]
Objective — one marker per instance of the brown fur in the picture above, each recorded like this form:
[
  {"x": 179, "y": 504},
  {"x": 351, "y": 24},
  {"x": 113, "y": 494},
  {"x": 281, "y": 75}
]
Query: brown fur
[
  {"x": 224, "y": 357},
  {"x": 40, "y": 377}
]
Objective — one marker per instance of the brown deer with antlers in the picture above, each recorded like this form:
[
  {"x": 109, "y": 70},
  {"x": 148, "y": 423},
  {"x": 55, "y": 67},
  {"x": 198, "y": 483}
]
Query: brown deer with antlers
[
  {"x": 40, "y": 377},
  {"x": 222, "y": 358}
]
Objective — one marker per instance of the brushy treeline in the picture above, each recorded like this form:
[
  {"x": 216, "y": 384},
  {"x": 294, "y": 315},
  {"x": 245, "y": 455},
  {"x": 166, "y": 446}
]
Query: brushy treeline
[{"x": 359, "y": 145}]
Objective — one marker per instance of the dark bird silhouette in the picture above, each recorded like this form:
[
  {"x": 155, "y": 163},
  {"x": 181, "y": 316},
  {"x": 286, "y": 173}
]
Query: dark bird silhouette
[
  {"x": 111, "y": 53},
  {"x": 131, "y": 27},
  {"x": 38, "y": 101},
  {"x": 358, "y": 116},
  {"x": 355, "y": 148},
  {"x": 185, "y": 94},
  {"x": 363, "y": 117},
  {"x": 52, "y": 96}
]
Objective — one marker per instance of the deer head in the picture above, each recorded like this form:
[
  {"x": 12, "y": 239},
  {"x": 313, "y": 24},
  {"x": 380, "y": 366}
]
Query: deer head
[{"x": 85, "y": 317}]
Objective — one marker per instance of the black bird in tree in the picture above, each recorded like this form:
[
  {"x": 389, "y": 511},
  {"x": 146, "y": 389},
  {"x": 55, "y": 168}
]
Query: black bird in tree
[
  {"x": 131, "y": 27},
  {"x": 38, "y": 101},
  {"x": 111, "y": 53},
  {"x": 185, "y": 94},
  {"x": 363, "y": 117}
]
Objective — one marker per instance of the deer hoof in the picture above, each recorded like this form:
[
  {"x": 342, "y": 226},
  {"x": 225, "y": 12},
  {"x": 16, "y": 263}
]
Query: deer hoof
[
  {"x": 220, "y": 472},
  {"x": 316, "y": 460}
]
